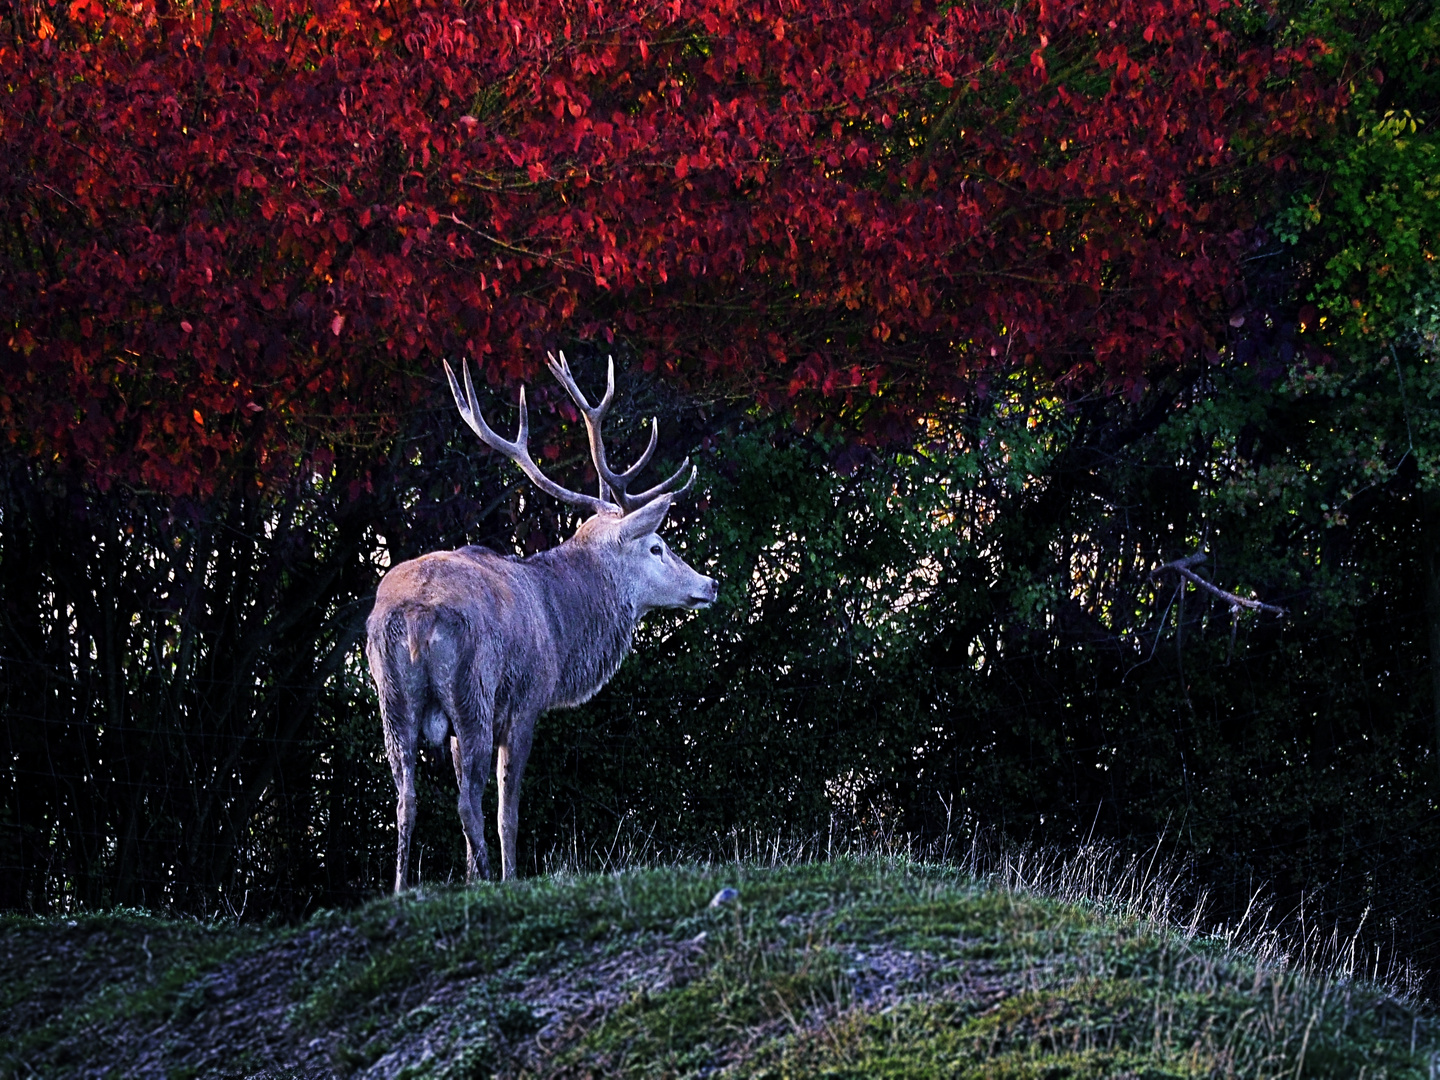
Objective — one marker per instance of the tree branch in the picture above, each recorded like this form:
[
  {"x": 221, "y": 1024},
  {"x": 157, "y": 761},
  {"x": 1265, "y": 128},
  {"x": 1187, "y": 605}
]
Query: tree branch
[{"x": 1182, "y": 567}]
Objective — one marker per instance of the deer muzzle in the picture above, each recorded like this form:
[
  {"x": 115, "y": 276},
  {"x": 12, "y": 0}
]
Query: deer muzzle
[{"x": 704, "y": 596}]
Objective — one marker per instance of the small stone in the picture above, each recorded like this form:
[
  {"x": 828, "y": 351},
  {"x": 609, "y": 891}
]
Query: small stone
[{"x": 724, "y": 896}]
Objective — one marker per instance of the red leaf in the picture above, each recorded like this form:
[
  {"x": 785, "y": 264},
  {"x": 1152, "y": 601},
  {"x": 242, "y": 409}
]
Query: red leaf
[{"x": 802, "y": 224}]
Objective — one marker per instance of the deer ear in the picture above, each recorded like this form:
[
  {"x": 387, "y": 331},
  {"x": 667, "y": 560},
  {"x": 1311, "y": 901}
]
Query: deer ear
[{"x": 646, "y": 520}]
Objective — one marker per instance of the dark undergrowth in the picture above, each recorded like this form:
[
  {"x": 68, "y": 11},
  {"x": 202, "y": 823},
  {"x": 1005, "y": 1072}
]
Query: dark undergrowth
[{"x": 847, "y": 968}]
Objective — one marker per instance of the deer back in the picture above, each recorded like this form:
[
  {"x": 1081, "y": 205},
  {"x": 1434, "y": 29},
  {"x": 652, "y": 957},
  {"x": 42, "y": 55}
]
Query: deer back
[{"x": 536, "y": 633}]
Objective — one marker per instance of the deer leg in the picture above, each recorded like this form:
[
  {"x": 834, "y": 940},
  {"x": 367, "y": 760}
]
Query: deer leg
[
  {"x": 398, "y": 722},
  {"x": 470, "y": 708},
  {"x": 471, "y": 749},
  {"x": 510, "y": 761},
  {"x": 403, "y": 770}
]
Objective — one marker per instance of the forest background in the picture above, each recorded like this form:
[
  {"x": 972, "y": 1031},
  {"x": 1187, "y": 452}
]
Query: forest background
[{"x": 974, "y": 317}]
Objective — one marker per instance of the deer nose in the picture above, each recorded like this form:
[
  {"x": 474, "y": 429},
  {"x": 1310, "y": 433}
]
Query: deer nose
[{"x": 705, "y": 595}]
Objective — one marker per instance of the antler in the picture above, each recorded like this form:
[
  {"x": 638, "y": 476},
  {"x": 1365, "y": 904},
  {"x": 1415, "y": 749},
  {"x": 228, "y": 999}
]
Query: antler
[
  {"x": 516, "y": 451},
  {"x": 614, "y": 486}
]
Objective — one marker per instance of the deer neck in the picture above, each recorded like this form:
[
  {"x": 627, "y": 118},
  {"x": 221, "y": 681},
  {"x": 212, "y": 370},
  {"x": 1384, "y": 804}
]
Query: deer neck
[{"x": 592, "y": 619}]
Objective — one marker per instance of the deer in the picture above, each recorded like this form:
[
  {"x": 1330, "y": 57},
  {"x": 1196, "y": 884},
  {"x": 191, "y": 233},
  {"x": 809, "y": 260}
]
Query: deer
[{"x": 474, "y": 646}]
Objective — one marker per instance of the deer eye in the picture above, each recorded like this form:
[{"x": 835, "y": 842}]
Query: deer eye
[{"x": 656, "y": 550}]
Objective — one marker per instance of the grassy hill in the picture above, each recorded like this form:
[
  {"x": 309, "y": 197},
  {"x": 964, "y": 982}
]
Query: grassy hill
[{"x": 852, "y": 968}]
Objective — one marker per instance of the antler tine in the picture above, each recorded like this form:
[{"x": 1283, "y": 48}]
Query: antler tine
[
  {"x": 516, "y": 451},
  {"x": 561, "y": 370},
  {"x": 594, "y": 415},
  {"x": 469, "y": 412},
  {"x": 665, "y": 487},
  {"x": 644, "y": 459},
  {"x": 613, "y": 484}
]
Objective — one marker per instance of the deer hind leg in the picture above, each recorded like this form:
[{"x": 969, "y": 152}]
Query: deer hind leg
[
  {"x": 404, "y": 774},
  {"x": 472, "y": 766},
  {"x": 399, "y": 724},
  {"x": 398, "y": 721},
  {"x": 510, "y": 761},
  {"x": 471, "y": 749}
]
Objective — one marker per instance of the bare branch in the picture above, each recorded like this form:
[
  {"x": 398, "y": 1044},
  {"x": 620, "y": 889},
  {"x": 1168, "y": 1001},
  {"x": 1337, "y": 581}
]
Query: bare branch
[{"x": 1182, "y": 567}]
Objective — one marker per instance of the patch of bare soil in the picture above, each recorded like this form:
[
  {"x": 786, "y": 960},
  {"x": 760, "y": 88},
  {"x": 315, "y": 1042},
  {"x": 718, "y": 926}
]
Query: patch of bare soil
[
  {"x": 880, "y": 974},
  {"x": 877, "y": 978},
  {"x": 570, "y": 1001},
  {"x": 463, "y": 1023},
  {"x": 66, "y": 966},
  {"x": 240, "y": 1019},
  {"x": 232, "y": 1021}
]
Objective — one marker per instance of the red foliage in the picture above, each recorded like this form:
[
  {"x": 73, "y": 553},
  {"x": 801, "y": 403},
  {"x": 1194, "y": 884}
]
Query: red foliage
[{"x": 249, "y": 234}]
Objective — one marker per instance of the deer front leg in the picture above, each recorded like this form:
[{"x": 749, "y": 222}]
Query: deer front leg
[
  {"x": 471, "y": 751},
  {"x": 510, "y": 761}
]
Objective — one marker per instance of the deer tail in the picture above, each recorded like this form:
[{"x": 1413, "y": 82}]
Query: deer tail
[{"x": 418, "y": 622}]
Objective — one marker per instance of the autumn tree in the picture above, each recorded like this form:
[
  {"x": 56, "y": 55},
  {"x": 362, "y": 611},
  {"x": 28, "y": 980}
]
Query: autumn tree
[
  {"x": 249, "y": 229},
  {"x": 240, "y": 237}
]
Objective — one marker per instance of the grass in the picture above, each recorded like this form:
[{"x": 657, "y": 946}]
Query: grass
[{"x": 846, "y": 968}]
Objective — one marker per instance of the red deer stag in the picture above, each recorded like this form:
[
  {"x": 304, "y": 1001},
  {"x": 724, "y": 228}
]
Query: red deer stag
[{"x": 475, "y": 646}]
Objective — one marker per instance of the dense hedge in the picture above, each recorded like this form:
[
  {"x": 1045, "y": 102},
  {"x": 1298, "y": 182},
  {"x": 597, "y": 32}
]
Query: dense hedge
[{"x": 962, "y": 638}]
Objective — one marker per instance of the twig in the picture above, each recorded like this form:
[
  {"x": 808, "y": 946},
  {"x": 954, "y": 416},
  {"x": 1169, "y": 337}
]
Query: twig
[
  {"x": 538, "y": 256},
  {"x": 1159, "y": 630},
  {"x": 1404, "y": 404},
  {"x": 1182, "y": 567}
]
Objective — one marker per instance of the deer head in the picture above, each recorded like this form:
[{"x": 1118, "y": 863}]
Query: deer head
[{"x": 625, "y": 526}]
